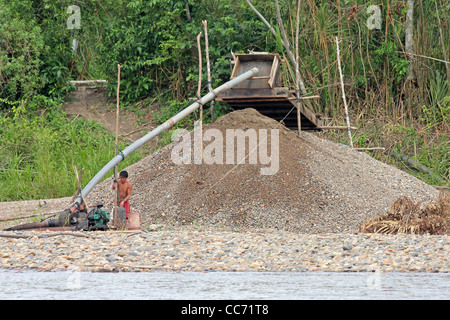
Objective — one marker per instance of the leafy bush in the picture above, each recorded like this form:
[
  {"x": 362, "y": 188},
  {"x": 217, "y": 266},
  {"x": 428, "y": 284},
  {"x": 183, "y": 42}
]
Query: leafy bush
[
  {"x": 21, "y": 44},
  {"x": 155, "y": 42}
]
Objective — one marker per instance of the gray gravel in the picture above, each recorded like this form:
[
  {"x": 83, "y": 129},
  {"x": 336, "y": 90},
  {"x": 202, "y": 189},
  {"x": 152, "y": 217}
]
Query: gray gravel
[
  {"x": 199, "y": 249},
  {"x": 321, "y": 187}
]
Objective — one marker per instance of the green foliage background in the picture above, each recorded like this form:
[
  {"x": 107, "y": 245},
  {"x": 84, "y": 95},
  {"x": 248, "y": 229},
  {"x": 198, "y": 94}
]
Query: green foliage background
[{"x": 155, "y": 42}]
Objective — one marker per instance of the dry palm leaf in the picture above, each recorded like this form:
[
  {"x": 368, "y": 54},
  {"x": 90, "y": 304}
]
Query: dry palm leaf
[{"x": 407, "y": 217}]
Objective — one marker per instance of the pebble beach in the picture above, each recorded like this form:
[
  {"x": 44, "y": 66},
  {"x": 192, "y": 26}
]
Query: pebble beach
[{"x": 199, "y": 249}]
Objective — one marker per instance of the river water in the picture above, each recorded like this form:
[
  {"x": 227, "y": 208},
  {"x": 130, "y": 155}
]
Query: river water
[{"x": 161, "y": 285}]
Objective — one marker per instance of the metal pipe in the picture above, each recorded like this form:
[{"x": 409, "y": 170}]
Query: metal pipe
[
  {"x": 34, "y": 225},
  {"x": 163, "y": 127}
]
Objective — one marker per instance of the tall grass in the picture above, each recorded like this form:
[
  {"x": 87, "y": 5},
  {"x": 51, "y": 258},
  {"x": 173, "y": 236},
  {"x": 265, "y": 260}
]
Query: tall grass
[
  {"x": 375, "y": 68},
  {"x": 411, "y": 117}
]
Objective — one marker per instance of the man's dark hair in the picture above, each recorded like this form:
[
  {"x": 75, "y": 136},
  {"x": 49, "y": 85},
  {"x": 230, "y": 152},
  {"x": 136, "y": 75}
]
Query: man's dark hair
[{"x": 123, "y": 174}]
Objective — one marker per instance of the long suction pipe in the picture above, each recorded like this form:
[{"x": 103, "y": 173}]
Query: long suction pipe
[{"x": 163, "y": 127}]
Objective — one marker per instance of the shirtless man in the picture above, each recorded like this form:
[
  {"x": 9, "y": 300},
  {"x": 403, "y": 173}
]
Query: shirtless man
[{"x": 124, "y": 191}]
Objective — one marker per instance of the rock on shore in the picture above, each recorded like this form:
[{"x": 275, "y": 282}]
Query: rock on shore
[{"x": 215, "y": 250}]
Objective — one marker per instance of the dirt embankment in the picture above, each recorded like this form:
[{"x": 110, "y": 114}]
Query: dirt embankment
[{"x": 92, "y": 103}]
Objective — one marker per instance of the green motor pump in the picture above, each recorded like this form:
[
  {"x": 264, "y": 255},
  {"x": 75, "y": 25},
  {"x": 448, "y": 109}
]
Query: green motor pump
[{"x": 98, "y": 218}]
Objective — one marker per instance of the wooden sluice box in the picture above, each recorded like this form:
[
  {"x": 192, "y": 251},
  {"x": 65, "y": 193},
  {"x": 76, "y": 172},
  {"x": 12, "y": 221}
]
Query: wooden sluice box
[{"x": 265, "y": 93}]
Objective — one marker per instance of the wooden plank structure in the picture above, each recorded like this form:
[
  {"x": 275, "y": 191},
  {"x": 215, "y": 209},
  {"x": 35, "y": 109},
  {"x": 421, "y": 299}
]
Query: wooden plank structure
[{"x": 265, "y": 93}]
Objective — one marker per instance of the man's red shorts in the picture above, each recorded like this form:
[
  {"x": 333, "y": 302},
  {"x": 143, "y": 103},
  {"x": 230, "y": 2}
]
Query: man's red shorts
[{"x": 126, "y": 205}]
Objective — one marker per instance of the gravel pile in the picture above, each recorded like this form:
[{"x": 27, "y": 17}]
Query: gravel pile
[{"x": 320, "y": 186}]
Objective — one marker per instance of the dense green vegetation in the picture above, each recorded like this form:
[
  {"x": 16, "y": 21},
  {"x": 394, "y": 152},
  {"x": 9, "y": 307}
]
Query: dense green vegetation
[
  {"x": 155, "y": 42},
  {"x": 38, "y": 152}
]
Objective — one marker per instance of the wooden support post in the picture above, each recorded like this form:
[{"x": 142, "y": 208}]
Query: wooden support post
[
  {"x": 78, "y": 190},
  {"x": 336, "y": 127},
  {"x": 199, "y": 93},
  {"x": 208, "y": 66},
  {"x": 78, "y": 178},
  {"x": 87, "y": 82},
  {"x": 116, "y": 192},
  {"x": 347, "y": 117}
]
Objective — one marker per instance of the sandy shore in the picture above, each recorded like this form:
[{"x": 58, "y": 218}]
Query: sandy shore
[{"x": 198, "y": 249}]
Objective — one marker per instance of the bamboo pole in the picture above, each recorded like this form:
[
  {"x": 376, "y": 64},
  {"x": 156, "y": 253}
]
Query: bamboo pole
[
  {"x": 208, "y": 66},
  {"x": 79, "y": 186},
  {"x": 199, "y": 94},
  {"x": 199, "y": 88},
  {"x": 409, "y": 40},
  {"x": 336, "y": 127},
  {"x": 422, "y": 56},
  {"x": 347, "y": 117},
  {"x": 117, "y": 109},
  {"x": 117, "y": 146},
  {"x": 78, "y": 190},
  {"x": 304, "y": 98}
]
